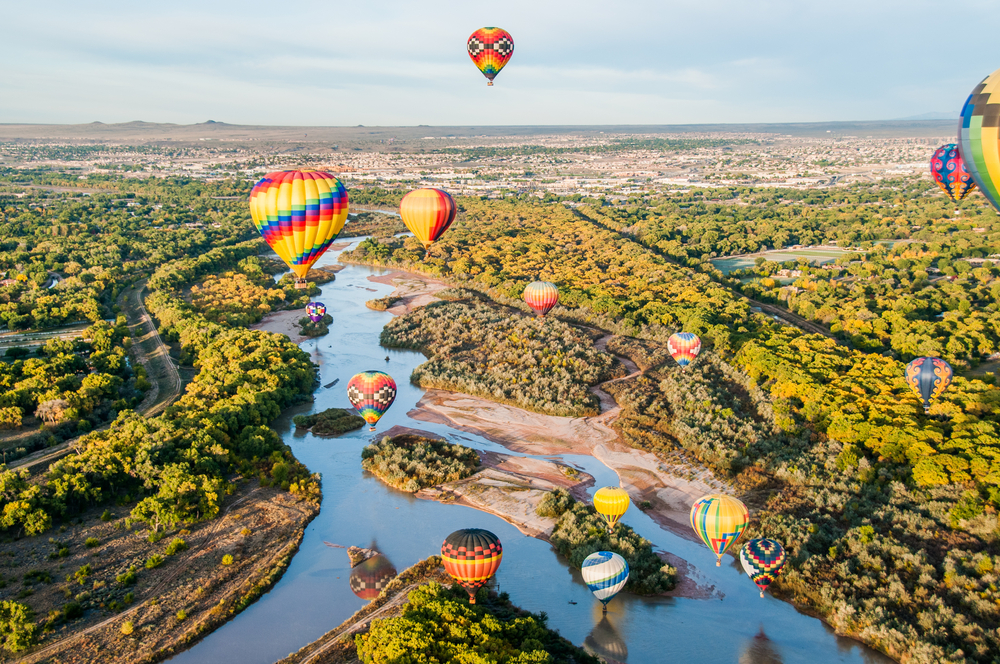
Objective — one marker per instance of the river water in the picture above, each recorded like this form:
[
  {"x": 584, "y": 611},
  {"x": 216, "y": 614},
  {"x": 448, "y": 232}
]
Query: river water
[{"x": 314, "y": 594}]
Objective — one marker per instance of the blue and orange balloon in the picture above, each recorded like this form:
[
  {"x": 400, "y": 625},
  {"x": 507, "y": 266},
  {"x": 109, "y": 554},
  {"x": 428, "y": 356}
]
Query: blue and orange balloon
[
  {"x": 315, "y": 311},
  {"x": 762, "y": 560},
  {"x": 928, "y": 377},
  {"x": 490, "y": 50},
  {"x": 684, "y": 347},
  {"x": 371, "y": 392},
  {"x": 299, "y": 214},
  {"x": 948, "y": 170}
]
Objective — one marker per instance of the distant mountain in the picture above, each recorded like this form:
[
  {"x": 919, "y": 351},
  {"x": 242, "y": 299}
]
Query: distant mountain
[{"x": 930, "y": 116}]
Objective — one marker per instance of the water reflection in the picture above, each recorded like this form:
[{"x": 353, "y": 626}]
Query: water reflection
[
  {"x": 605, "y": 641},
  {"x": 370, "y": 577},
  {"x": 760, "y": 650}
]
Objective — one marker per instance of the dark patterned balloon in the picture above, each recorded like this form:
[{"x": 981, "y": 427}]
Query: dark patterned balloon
[
  {"x": 472, "y": 556},
  {"x": 928, "y": 377},
  {"x": 762, "y": 560},
  {"x": 369, "y": 578},
  {"x": 948, "y": 169}
]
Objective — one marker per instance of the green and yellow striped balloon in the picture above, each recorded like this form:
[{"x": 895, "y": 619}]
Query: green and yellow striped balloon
[{"x": 979, "y": 137}]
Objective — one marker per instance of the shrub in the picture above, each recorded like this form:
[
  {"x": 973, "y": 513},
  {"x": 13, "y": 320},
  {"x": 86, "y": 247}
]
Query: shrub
[
  {"x": 154, "y": 561},
  {"x": 127, "y": 627},
  {"x": 72, "y": 610},
  {"x": 81, "y": 574},
  {"x": 18, "y": 630},
  {"x": 127, "y": 578},
  {"x": 182, "y": 615},
  {"x": 176, "y": 546},
  {"x": 227, "y": 559},
  {"x": 410, "y": 463},
  {"x": 555, "y": 503},
  {"x": 107, "y": 516},
  {"x": 92, "y": 542}
]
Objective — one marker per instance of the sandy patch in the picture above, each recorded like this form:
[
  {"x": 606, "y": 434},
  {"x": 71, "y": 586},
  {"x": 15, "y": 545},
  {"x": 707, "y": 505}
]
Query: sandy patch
[
  {"x": 414, "y": 290},
  {"x": 283, "y": 322}
]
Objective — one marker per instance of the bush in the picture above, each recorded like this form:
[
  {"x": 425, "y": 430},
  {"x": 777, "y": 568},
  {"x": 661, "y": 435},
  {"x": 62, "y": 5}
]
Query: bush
[
  {"x": 72, "y": 611},
  {"x": 127, "y": 627},
  {"x": 555, "y": 503},
  {"x": 410, "y": 463},
  {"x": 127, "y": 578},
  {"x": 176, "y": 546},
  {"x": 81, "y": 574},
  {"x": 154, "y": 561},
  {"x": 107, "y": 516},
  {"x": 182, "y": 615},
  {"x": 92, "y": 542},
  {"x": 227, "y": 559},
  {"x": 18, "y": 630}
]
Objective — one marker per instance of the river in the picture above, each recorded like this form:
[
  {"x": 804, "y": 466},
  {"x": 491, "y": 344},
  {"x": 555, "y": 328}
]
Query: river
[{"x": 314, "y": 596}]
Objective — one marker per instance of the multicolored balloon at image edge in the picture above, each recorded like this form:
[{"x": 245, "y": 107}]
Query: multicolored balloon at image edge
[
  {"x": 490, "y": 50},
  {"x": 605, "y": 573},
  {"x": 315, "y": 311},
  {"x": 979, "y": 137},
  {"x": 719, "y": 521},
  {"x": 370, "y": 577},
  {"x": 427, "y": 213},
  {"x": 948, "y": 170},
  {"x": 611, "y": 502},
  {"x": 541, "y": 296},
  {"x": 472, "y": 556},
  {"x": 928, "y": 377},
  {"x": 762, "y": 560},
  {"x": 371, "y": 392},
  {"x": 299, "y": 214},
  {"x": 684, "y": 347}
]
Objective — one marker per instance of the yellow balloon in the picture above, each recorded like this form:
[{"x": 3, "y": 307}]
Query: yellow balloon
[
  {"x": 427, "y": 213},
  {"x": 719, "y": 521},
  {"x": 611, "y": 503}
]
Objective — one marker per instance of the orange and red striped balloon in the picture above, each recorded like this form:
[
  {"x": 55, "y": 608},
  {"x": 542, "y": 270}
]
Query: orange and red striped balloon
[
  {"x": 427, "y": 213},
  {"x": 541, "y": 296},
  {"x": 684, "y": 347}
]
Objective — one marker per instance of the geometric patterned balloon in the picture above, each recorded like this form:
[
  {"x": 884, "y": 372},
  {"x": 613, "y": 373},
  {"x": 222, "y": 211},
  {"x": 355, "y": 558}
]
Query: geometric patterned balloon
[
  {"x": 950, "y": 173},
  {"x": 762, "y": 560},
  {"x": 490, "y": 49},
  {"x": 299, "y": 213},
  {"x": 541, "y": 296},
  {"x": 719, "y": 521},
  {"x": 315, "y": 311},
  {"x": 979, "y": 137},
  {"x": 370, "y": 577},
  {"x": 684, "y": 347},
  {"x": 928, "y": 377},
  {"x": 472, "y": 556},
  {"x": 371, "y": 392},
  {"x": 605, "y": 573}
]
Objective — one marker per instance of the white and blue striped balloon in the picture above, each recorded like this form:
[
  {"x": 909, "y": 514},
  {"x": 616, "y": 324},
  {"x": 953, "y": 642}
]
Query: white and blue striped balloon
[{"x": 605, "y": 573}]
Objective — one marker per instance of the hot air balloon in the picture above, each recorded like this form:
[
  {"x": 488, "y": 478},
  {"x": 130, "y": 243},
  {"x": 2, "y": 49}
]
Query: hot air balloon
[
  {"x": 762, "y": 560},
  {"x": 427, "y": 213},
  {"x": 490, "y": 49},
  {"x": 371, "y": 392},
  {"x": 299, "y": 213},
  {"x": 684, "y": 347},
  {"x": 315, "y": 311},
  {"x": 371, "y": 576},
  {"x": 950, "y": 173},
  {"x": 605, "y": 573},
  {"x": 472, "y": 556},
  {"x": 719, "y": 521},
  {"x": 541, "y": 296},
  {"x": 611, "y": 502},
  {"x": 928, "y": 377},
  {"x": 979, "y": 137}
]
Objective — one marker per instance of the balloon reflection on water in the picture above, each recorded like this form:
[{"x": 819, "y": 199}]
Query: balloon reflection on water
[
  {"x": 760, "y": 650},
  {"x": 605, "y": 641},
  {"x": 371, "y": 576}
]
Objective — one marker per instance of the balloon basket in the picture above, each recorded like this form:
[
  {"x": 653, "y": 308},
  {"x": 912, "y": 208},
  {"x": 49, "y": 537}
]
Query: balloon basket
[
  {"x": 604, "y": 610},
  {"x": 371, "y": 428},
  {"x": 762, "y": 594},
  {"x": 489, "y": 83},
  {"x": 718, "y": 562},
  {"x": 301, "y": 284}
]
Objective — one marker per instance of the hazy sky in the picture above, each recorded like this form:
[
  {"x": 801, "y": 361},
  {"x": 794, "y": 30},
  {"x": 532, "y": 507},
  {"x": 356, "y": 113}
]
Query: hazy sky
[{"x": 405, "y": 63}]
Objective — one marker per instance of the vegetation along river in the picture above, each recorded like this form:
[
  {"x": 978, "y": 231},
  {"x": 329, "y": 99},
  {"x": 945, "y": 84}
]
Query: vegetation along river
[{"x": 733, "y": 625}]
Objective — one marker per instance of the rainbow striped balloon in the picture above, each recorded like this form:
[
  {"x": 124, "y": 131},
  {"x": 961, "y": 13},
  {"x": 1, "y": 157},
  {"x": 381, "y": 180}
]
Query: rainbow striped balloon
[
  {"x": 371, "y": 392},
  {"x": 684, "y": 347},
  {"x": 315, "y": 311},
  {"x": 299, "y": 213},
  {"x": 762, "y": 560},
  {"x": 719, "y": 521},
  {"x": 948, "y": 170},
  {"x": 490, "y": 49},
  {"x": 541, "y": 296},
  {"x": 605, "y": 573},
  {"x": 928, "y": 377},
  {"x": 427, "y": 213},
  {"x": 979, "y": 137}
]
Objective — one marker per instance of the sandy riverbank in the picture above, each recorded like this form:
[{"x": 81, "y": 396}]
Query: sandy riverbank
[
  {"x": 413, "y": 290},
  {"x": 283, "y": 322}
]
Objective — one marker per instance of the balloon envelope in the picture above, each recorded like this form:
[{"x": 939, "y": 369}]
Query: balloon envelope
[
  {"x": 948, "y": 170},
  {"x": 371, "y": 392},
  {"x": 605, "y": 573},
  {"x": 762, "y": 560},
  {"x": 979, "y": 137},
  {"x": 315, "y": 311},
  {"x": 719, "y": 521},
  {"x": 427, "y": 213},
  {"x": 472, "y": 556},
  {"x": 370, "y": 577},
  {"x": 611, "y": 502},
  {"x": 299, "y": 213},
  {"x": 490, "y": 49},
  {"x": 684, "y": 347},
  {"x": 541, "y": 296},
  {"x": 928, "y": 377}
]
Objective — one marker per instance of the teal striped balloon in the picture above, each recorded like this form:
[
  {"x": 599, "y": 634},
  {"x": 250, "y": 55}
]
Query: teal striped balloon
[{"x": 605, "y": 573}]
